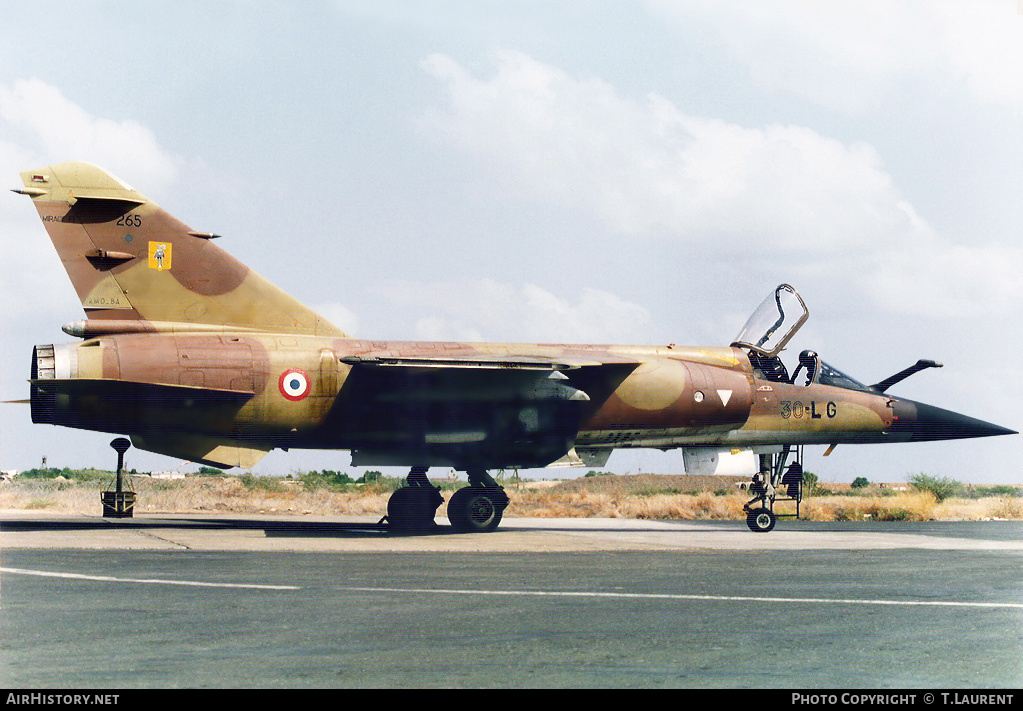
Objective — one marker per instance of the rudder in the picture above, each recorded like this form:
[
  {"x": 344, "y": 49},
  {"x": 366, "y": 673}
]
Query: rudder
[{"x": 131, "y": 261}]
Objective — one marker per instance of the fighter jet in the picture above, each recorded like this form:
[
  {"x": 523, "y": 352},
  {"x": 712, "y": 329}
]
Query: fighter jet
[{"x": 190, "y": 354}]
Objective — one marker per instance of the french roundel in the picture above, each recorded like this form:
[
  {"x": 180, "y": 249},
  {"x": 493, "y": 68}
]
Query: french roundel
[{"x": 294, "y": 384}]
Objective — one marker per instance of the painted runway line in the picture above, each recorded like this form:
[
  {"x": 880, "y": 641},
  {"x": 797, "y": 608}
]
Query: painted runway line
[
  {"x": 679, "y": 596},
  {"x": 537, "y": 593},
  {"x": 147, "y": 581}
]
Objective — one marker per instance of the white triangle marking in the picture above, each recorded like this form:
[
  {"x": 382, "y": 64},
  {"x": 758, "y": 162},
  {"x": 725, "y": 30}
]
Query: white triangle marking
[{"x": 725, "y": 396}]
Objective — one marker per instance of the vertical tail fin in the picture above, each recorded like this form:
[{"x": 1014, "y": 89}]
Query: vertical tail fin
[{"x": 131, "y": 261}]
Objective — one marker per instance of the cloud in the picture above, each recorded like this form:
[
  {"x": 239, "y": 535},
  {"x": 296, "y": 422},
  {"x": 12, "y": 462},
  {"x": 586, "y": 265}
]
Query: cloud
[
  {"x": 55, "y": 129},
  {"x": 339, "y": 315},
  {"x": 484, "y": 309},
  {"x": 844, "y": 55},
  {"x": 950, "y": 281},
  {"x": 982, "y": 44},
  {"x": 650, "y": 170}
]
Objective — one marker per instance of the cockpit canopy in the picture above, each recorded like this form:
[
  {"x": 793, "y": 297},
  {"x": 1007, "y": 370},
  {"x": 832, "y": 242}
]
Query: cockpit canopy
[
  {"x": 774, "y": 322},
  {"x": 770, "y": 328}
]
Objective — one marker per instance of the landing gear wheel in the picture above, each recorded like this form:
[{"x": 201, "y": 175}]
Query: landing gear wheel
[
  {"x": 476, "y": 509},
  {"x": 760, "y": 520},
  {"x": 412, "y": 508}
]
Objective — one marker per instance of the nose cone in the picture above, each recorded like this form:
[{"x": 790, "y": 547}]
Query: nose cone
[{"x": 919, "y": 422}]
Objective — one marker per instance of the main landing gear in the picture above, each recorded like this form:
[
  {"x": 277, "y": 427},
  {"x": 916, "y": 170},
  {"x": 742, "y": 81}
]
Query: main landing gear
[
  {"x": 412, "y": 507},
  {"x": 775, "y": 482},
  {"x": 475, "y": 508}
]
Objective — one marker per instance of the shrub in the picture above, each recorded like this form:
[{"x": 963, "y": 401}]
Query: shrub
[
  {"x": 860, "y": 482},
  {"x": 812, "y": 485},
  {"x": 263, "y": 483},
  {"x": 325, "y": 479},
  {"x": 895, "y": 514},
  {"x": 67, "y": 473},
  {"x": 939, "y": 486},
  {"x": 972, "y": 491}
]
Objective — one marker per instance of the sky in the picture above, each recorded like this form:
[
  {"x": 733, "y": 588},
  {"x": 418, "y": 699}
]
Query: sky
[{"x": 616, "y": 172}]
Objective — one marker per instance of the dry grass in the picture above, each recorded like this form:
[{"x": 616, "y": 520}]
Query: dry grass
[
  {"x": 907, "y": 506},
  {"x": 194, "y": 495},
  {"x": 638, "y": 497}
]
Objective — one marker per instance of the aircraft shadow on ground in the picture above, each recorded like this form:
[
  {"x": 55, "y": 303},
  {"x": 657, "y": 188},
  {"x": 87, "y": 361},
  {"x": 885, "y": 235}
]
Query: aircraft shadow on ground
[
  {"x": 274, "y": 529},
  {"x": 270, "y": 528}
]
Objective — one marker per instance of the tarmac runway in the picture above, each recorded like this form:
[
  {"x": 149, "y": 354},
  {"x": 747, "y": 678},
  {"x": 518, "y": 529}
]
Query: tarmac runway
[{"x": 215, "y": 601}]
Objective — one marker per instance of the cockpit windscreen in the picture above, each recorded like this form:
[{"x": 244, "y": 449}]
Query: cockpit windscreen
[{"x": 833, "y": 376}]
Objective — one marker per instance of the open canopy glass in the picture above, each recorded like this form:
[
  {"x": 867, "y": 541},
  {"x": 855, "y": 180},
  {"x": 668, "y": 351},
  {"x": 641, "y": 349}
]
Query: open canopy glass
[{"x": 774, "y": 322}]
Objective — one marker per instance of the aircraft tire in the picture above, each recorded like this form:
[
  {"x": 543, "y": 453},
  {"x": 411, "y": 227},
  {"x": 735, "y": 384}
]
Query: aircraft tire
[
  {"x": 411, "y": 508},
  {"x": 761, "y": 520},
  {"x": 475, "y": 509}
]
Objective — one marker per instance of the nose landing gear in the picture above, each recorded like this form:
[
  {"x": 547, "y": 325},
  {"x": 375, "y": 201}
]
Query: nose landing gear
[
  {"x": 774, "y": 476},
  {"x": 760, "y": 519}
]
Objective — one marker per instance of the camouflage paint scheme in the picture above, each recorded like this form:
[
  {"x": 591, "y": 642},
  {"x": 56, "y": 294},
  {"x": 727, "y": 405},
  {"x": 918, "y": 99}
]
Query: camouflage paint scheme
[{"x": 193, "y": 355}]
